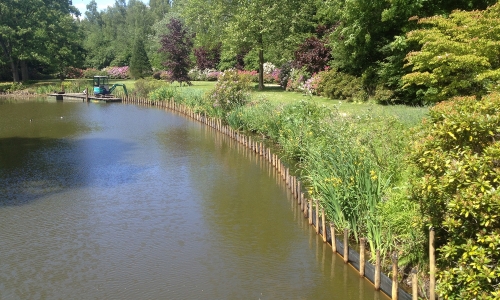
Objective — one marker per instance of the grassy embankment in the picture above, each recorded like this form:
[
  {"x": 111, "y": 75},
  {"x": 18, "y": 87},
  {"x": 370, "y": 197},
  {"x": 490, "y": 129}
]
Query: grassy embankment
[{"x": 351, "y": 155}]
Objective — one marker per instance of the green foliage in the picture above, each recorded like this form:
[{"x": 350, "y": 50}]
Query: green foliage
[
  {"x": 143, "y": 87},
  {"x": 341, "y": 86},
  {"x": 296, "y": 79},
  {"x": 44, "y": 32},
  {"x": 163, "y": 93},
  {"x": 8, "y": 87},
  {"x": 90, "y": 73},
  {"x": 459, "y": 55},
  {"x": 352, "y": 164},
  {"x": 139, "y": 62},
  {"x": 456, "y": 184},
  {"x": 231, "y": 91}
]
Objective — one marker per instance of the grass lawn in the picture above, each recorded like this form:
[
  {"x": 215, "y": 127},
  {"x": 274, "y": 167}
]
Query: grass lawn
[{"x": 408, "y": 115}]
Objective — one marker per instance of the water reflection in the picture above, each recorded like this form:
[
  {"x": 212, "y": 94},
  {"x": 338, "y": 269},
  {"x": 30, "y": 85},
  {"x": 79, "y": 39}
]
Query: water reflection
[{"x": 128, "y": 202}]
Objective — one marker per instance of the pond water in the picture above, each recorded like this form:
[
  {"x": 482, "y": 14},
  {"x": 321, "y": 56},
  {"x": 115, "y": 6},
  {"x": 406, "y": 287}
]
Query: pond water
[{"x": 118, "y": 201}]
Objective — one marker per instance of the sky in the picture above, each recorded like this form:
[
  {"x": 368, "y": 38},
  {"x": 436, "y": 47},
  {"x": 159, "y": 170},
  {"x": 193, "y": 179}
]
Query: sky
[{"x": 101, "y": 4}]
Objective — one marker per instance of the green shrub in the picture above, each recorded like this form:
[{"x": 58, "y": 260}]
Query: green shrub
[
  {"x": 297, "y": 79},
  {"x": 90, "y": 73},
  {"x": 341, "y": 86},
  {"x": 383, "y": 95},
  {"x": 163, "y": 93},
  {"x": 459, "y": 55},
  {"x": 143, "y": 87},
  {"x": 231, "y": 91},
  {"x": 456, "y": 183},
  {"x": 9, "y": 87}
]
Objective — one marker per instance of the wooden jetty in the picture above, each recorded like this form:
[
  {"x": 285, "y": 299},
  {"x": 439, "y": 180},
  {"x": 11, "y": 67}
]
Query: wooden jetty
[{"x": 85, "y": 97}]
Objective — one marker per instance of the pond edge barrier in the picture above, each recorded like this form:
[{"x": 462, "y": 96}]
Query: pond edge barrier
[{"x": 310, "y": 208}]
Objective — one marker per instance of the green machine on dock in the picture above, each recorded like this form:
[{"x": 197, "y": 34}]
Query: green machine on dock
[{"x": 101, "y": 86}]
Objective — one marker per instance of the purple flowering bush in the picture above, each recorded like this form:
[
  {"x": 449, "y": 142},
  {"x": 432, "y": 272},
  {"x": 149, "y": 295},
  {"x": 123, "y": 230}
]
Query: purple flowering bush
[
  {"x": 311, "y": 85},
  {"x": 231, "y": 91},
  {"x": 117, "y": 72},
  {"x": 73, "y": 73},
  {"x": 296, "y": 80}
]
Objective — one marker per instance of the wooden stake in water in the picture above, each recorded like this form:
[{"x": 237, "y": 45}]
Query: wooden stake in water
[
  {"x": 362, "y": 257},
  {"x": 299, "y": 192},
  {"x": 432, "y": 267},
  {"x": 316, "y": 215},
  {"x": 323, "y": 224},
  {"x": 414, "y": 284},
  {"x": 377, "y": 270},
  {"x": 310, "y": 212},
  {"x": 332, "y": 233},
  {"x": 301, "y": 197},
  {"x": 394, "y": 276},
  {"x": 346, "y": 245}
]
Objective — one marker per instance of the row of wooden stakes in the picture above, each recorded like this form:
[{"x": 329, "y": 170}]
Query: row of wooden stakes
[{"x": 310, "y": 208}]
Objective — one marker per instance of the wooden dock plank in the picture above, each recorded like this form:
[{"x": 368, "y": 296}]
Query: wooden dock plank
[{"x": 83, "y": 97}]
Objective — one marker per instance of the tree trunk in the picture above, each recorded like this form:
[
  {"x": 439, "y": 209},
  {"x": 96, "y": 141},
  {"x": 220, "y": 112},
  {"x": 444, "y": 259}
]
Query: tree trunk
[
  {"x": 261, "y": 63},
  {"x": 7, "y": 50},
  {"x": 15, "y": 71},
  {"x": 24, "y": 71}
]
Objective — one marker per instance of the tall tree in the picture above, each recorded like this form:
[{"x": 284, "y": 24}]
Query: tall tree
[
  {"x": 177, "y": 44},
  {"x": 139, "y": 62},
  {"x": 160, "y": 8},
  {"x": 264, "y": 24},
  {"x": 25, "y": 28}
]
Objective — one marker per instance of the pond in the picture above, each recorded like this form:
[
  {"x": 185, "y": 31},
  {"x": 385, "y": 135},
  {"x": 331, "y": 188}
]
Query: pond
[{"x": 118, "y": 201}]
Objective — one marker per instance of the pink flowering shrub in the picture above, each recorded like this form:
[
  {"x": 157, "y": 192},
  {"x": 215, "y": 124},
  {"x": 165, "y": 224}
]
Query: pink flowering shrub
[
  {"x": 231, "y": 91},
  {"x": 213, "y": 76},
  {"x": 73, "y": 73},
  {"x": 253, "y": 75},
  {"x": 117, "y": 72},
  {"x": 275, "y": 75},
  {"x": 311, "y": 85}
]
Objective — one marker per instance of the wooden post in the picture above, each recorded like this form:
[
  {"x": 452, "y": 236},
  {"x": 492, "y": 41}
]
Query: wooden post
[
  {"x": 432, "y": 267},
  {"x": 317, "y": 215},
  {"x": 301, "y": 197},
  {"x": 394, "y": 276},
  {"x": 414, "y": 284},
  {"x": 332, "y": 233},
  {"x": 323, "y": 224},
  {"x": 299, "y": 192},
  {"x": 346, "y": 245},
  {"x": 377, "y": 270},
  {"x": 310, "y": 212},
  {"x": 362, "y": 257}
]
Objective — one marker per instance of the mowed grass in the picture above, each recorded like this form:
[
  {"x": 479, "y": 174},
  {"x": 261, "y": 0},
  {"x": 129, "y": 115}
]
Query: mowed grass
[{"x": 408, "y": 115}]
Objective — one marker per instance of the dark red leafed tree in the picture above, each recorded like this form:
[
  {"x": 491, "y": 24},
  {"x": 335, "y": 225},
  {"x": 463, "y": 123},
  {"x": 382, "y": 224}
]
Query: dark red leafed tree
[
  {"x": 312, "y": 54},
  {"x": 177, "y": 45},
  {"x": 207, "y": 58}
]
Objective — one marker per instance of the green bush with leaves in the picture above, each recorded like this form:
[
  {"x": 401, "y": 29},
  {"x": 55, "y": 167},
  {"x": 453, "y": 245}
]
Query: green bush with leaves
[
  {"x": 231, "y": 91},
  {"x": 163, "y": 93},
  {"x": 143, "y": 87},
  {"x": 9, "y": 87},
  {"x": 341, "y": 86},
  {"x": 459, "y": 55},
  {"x": 456, "y": 183}
]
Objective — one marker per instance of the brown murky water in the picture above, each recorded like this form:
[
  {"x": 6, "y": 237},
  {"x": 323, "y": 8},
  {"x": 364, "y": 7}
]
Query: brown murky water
[{"x": 114, "y": 201}]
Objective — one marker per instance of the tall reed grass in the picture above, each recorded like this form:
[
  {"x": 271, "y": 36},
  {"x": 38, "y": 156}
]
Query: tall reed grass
[{"x": 353, "y": 164}]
